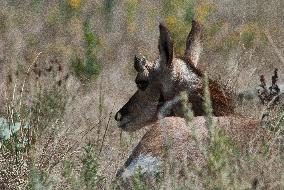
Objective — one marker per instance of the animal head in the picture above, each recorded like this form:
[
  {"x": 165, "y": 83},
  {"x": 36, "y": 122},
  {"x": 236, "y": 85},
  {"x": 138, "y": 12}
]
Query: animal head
[
  {"x": 140, "y": 110},
  {"x": 163, "y": 80},
  {"x": 142, "y": 107}
]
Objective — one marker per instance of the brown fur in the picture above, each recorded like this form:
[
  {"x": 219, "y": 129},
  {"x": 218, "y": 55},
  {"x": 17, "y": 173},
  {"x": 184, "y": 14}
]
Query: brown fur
[
  {"x": 222, "y": 100},
  {"x": 172, "y": 137},
  {"x": 242, "y": 131}
]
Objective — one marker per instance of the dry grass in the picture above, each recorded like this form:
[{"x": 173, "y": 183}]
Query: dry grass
[{"x": 67, "y": 113}]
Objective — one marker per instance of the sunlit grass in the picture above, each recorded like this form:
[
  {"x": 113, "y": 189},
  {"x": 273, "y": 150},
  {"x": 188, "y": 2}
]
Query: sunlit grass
[{"x": 74, "y": 31}]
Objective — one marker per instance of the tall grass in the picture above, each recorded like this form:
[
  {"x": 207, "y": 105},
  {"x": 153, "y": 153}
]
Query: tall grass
[
  {"x": 29, "y": 132},
  {"x": 89, "y": 66}
]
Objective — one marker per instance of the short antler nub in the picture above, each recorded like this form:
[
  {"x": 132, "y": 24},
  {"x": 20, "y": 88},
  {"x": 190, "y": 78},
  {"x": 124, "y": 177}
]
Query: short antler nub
[{"x": 137, "y": 63}]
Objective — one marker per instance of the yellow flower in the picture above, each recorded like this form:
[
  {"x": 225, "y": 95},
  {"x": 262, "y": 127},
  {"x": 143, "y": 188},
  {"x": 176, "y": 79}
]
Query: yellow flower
[{"x": 74, "y": 3}]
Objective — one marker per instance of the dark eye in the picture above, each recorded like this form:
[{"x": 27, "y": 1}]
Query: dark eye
[{"x": 142, "y": 84}]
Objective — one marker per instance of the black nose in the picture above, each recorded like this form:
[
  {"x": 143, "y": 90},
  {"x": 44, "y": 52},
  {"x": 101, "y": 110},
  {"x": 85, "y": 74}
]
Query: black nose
[{"x": 118, "y": 116}]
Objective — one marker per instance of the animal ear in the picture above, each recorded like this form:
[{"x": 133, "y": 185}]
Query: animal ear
[
  {"x": 139, "y": 63},
  {"x": 165, "y": 45},
  {"x": 193, "y": 43}
]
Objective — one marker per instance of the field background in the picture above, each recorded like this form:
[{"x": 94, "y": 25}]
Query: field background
[{"x": 66, "y": 67}]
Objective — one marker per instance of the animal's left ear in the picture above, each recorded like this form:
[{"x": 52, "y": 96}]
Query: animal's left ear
[{"x": 165, "y": 45}]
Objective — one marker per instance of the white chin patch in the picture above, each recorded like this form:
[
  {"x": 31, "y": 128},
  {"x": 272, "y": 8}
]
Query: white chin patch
[
  {"x": 125, "y": 121},
  {"x": 147, "y": 164}
]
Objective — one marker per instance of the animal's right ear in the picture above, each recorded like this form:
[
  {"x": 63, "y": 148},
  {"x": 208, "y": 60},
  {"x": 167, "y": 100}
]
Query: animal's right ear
[
  {"x": 193, "y": 43},
  {"x": 165, "y": 45}
]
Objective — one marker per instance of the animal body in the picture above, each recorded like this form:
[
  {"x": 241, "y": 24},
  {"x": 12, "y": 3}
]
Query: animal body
[
  {"x": 174, "y": 136},
  {"x": 175, "y": 139}
]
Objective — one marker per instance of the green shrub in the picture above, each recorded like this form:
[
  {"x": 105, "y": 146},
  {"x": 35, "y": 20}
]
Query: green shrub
[
  {"x": 14, "y": 137},
  {"x": 48, "y": 107},
  {"x": 69, "y": 9},
  {"x": 132, "y": 6},
  {"x": 108, "y": 6},
  {"x": 247, "y": 38},
  {"x": 138, "y": 182},
  {"x": 7, "y": 130},
  {"x": 88, "y": 66},
  {"x": 89, "y": 173},
  {"x": 88, "y": 178},
  {"x": 37, "y": 180}
]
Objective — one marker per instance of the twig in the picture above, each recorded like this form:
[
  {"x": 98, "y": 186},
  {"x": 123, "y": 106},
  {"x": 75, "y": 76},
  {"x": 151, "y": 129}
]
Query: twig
[
  {"x": 100, "y": 121},
  {"x": 22, "y": 91},
  {"x": 107, "y": 126},
  {"x": 265, "y": 110},
  {"x": 72, "y": 146},
  {"x": 120, "y": 137},
  {"x": 23, "y": 86},
  {"x": 279, "y": 130}
]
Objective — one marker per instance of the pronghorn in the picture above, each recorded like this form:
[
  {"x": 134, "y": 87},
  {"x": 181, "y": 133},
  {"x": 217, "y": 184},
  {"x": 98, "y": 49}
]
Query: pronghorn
[
  {"x": 173, "y": 136},
  {"x": 180, "y": 74},
  {"x": 145, "y": 107}
]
